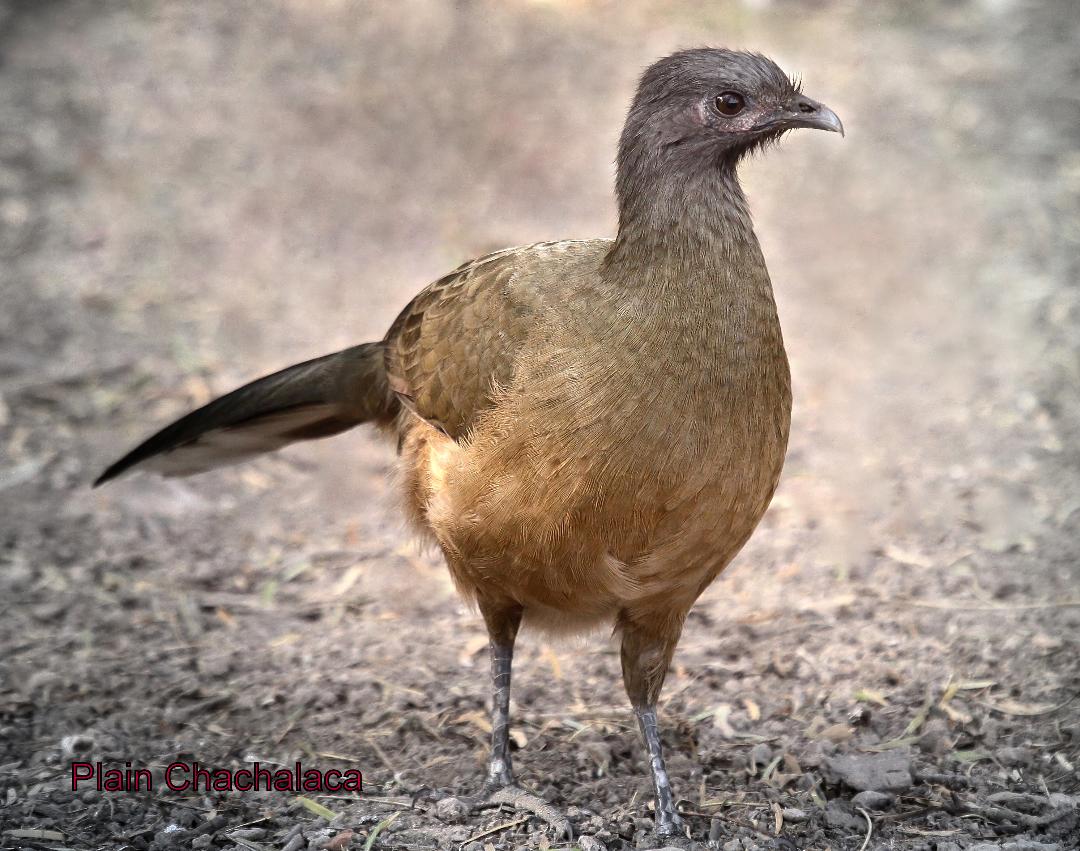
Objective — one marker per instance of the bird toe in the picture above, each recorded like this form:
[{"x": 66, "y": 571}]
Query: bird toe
[{"x": 520, "y": 799}]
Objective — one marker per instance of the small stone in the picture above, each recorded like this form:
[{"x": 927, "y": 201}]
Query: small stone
[
  {"x": 170, "y": 836},
  {"x": 1018, "y": 801},
  {"x": 315, "y": 839},
  {"x": 870, "y": 800},
  {"x": 812, "y": 756},
  {"x": 451, "y": 810},
  {"x": 590, "y": 843},
  {"x": 935, "y": 737},
  {"x": 760, "y": 756},
  {"x": 1014, "y": 757},
  {"x": 253, "y": 833},
  {"x": 74, "y": 747},
  {"x": 201, "y": 841},
  {"x": 838, "y": 815},
  {"x": 1031, "y": 845},
  {"x": 794, "y": 815},
  {"x": 878, "y": 772},
  {"x": 214, "y": 667}
]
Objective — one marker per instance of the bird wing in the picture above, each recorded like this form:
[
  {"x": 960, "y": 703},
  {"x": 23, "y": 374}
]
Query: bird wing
[{"x": 457, "y": 342}]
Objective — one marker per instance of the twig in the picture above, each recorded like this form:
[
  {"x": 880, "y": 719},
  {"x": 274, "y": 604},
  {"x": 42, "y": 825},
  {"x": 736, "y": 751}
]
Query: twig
[
  {"x": 1001, "y": 814},
  {"x": 869, "y": 828},
  {"x": 497, "y": 829},
  {"x": 991, "y": 607}
]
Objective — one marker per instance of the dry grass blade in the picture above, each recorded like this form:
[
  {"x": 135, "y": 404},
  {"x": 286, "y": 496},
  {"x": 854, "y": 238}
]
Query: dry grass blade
[
  {"x": 316, "y": 808},
  {"x": 42, "y": 835},
  {"x": 1025, "y": 710},
  {"x": 913, "y": 727},
  {"x": 339, "y": 756},
  {"x": 379, "y": 828},
  {"x": 721, "y": 803},
  {"x": 246, "y": 843}
]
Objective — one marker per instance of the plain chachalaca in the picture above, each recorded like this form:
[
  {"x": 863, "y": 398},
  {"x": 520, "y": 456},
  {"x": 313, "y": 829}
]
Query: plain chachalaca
[{"x": 589, "y": 429}]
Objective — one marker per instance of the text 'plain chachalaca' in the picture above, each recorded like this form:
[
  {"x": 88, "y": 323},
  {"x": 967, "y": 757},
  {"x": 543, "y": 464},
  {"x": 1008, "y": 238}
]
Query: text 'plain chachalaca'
[{"x": 589, "y": 429}]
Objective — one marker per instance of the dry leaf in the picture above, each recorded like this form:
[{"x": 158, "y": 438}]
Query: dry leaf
[
  {"x": 1047, "y": 642},
  {"x": 473, "y": 646},
  {"x": 1008, "y": 706},
  {"x": 903, "y": 556},
  {"x": 720, "y": 720},
  {"x": 339, "y": 841},
  {"x": 956, "y": 715},
  {"x": 477, "y": 719},
  {"x": 347, "y": 581},
  {"x": 837, "y": 733},
  {"x": 870, "y": 696}
]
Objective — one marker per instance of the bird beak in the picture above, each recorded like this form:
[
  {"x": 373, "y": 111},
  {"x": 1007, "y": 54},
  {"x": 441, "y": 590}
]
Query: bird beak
[{"x": 802, "y": 111}]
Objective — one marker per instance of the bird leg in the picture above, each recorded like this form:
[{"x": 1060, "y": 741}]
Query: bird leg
[
  {"x": 646, "y": 654},
  {"x": 667, "y": 817},
  {"x": 502, "y": 624}
]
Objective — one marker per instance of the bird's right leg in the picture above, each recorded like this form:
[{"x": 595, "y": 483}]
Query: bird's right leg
[{"x": 502, "y": 620}]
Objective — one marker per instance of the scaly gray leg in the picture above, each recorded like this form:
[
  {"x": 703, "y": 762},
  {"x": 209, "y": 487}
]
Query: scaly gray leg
[
  {"x": 500, "y": 766},
  {"x": 502, "y": 622},
  {"x": 667, "y": 818},
  {"x": 648, "y": 643}
]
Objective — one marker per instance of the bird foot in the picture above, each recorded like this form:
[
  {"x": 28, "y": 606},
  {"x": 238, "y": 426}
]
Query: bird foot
[
  {"x": 520, "y": 799},
  {"x": 670, "y": 825}
]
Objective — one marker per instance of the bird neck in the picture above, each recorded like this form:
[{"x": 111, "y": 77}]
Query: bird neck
[
  {"x": 686, "y": 230},
  {"x": 687, "y": 266}
]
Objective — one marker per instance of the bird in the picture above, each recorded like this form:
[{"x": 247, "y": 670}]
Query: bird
[{"x": 589, "y": 430}]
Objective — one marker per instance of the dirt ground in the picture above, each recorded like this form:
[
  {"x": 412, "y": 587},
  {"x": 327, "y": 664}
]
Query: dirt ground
[{"x": 193, "y": 194}]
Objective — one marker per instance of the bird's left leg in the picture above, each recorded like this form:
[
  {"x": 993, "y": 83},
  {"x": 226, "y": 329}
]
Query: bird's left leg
[
  {"x": 648, "y": 643},
  {"x": 502, "y": 620}
]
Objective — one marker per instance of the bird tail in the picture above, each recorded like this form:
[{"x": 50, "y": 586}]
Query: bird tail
[{"x": 313, "y": 399}]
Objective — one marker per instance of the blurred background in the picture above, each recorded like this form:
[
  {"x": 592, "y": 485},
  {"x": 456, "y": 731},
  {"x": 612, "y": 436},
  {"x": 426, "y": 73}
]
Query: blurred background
[{"x": 194, "y": 194}]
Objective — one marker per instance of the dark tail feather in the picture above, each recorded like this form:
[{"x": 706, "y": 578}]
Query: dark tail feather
[{"x": 313, "y": 399}]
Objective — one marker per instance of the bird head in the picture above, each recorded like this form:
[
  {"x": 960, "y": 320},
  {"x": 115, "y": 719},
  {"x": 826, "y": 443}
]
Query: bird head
[{"x": 710, "y": 107}]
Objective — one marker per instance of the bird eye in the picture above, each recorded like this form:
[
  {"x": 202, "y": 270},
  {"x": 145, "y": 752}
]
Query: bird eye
[{"x": 730, "y": 103}]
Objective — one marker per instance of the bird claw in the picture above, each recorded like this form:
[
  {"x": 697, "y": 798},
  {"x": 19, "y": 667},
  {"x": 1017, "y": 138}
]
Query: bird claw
[{"x": 520, "y": 799}]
